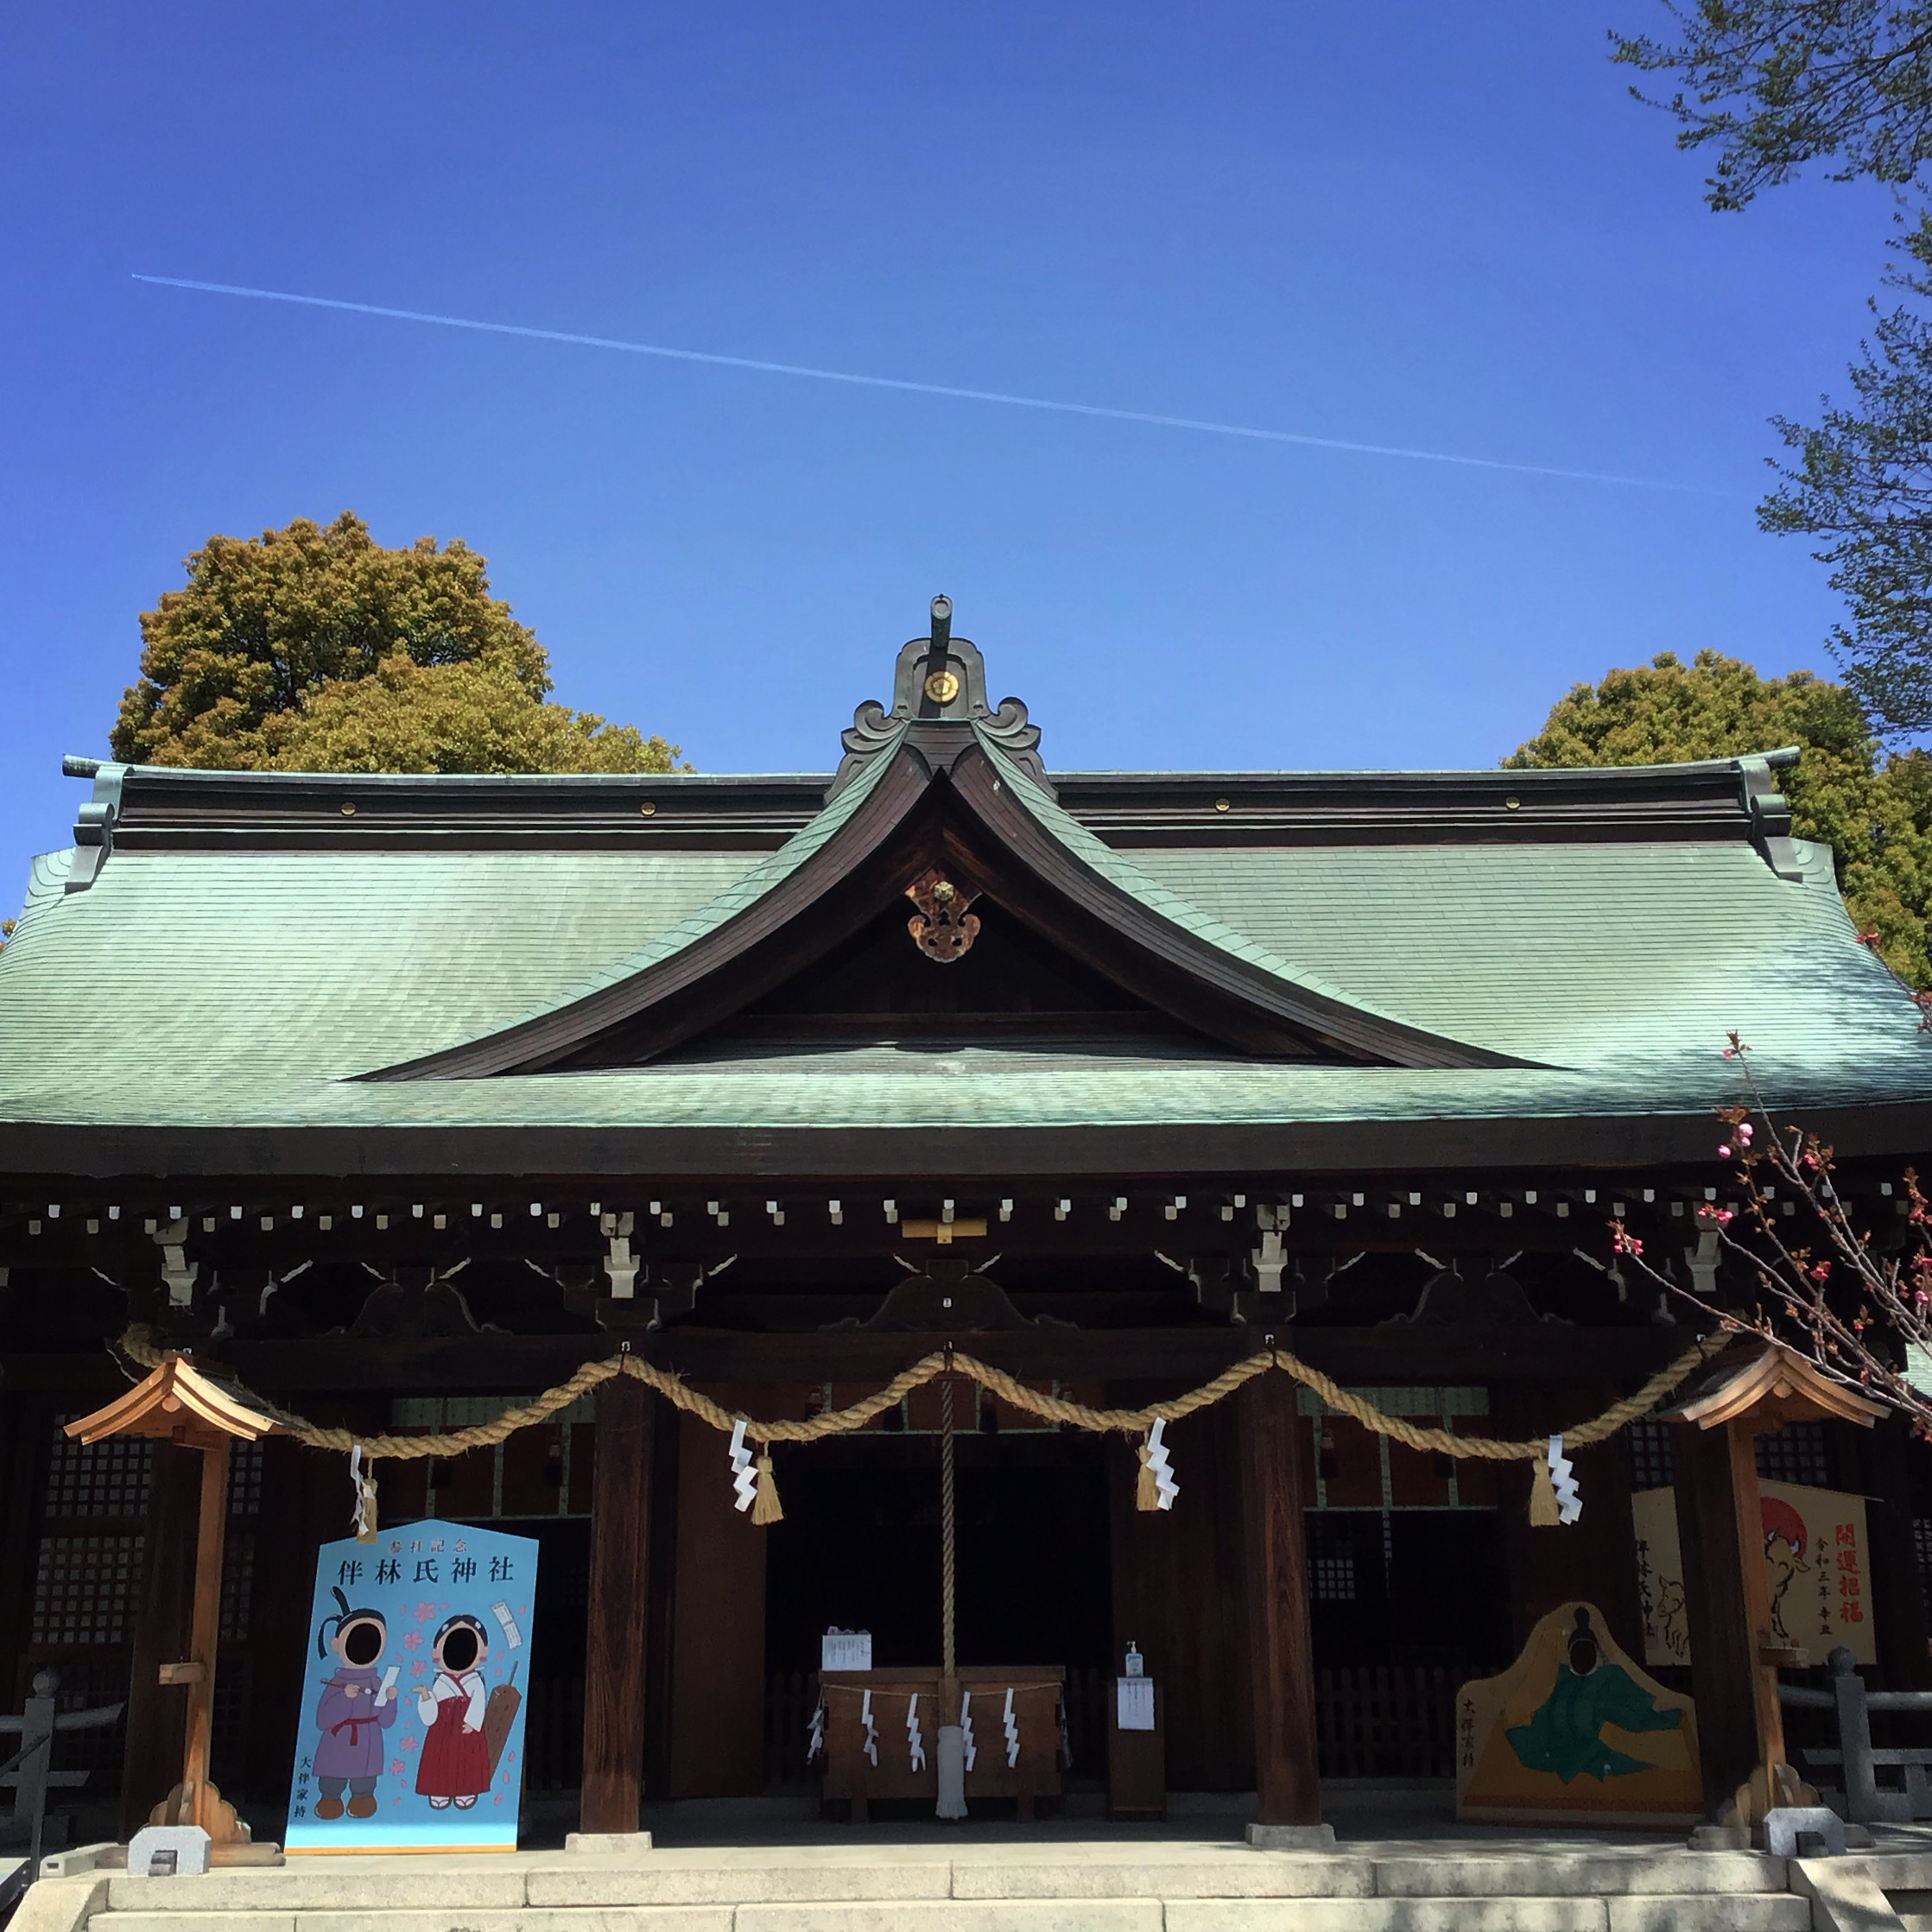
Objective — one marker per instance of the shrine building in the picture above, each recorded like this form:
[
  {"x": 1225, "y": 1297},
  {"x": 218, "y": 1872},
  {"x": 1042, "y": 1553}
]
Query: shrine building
[{"x": 394, "y": 1101}]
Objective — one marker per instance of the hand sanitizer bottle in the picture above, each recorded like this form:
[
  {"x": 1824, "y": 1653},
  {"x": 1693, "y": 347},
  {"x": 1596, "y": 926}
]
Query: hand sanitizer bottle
[{"x": 1134, "y": 1665}]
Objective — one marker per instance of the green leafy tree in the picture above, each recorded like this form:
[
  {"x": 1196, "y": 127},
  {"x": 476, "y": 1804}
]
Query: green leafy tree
[
  {"x": 1874, "y": 811},
  {"x": 314, "y": 648},
  {"x": 1773, "y": 84},
  {"x": 1862, "y": 480}
]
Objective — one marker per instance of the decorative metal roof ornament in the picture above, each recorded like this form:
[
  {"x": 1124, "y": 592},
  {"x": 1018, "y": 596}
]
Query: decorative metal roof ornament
[
  {"x": 940, "y": 679},
  {"x": 942, "y": 928}
]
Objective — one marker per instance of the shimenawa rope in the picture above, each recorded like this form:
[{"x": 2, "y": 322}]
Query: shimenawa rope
[{"x": 137, "y": 1345}]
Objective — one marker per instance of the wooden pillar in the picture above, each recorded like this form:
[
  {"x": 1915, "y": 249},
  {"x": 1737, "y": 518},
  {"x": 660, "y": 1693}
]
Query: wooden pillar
[
  {"x": 1740, "y": 1728},
  {"x": 211, "y": 1538},
  {"x": 157, "y": 1717},
  {"x": 718, "y": 1686},
  {"x": 1287, "y": 1782},
  {"x": 1180, "y": 1582},
  {"x": 614, "y": 1641}
]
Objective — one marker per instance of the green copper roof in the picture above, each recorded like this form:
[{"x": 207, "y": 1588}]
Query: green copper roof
[{"x": 194, "y": 988}]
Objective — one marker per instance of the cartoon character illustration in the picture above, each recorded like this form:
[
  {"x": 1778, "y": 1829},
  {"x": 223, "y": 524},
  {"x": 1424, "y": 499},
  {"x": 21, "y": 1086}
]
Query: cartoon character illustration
[
  {"x": 1784, "y": 1547},
  {"x": 1565, "y": 1734},
  {"x": 355, "y": 1710},
  {"x": 455, "y": 1765},
  {"x": 1670, "y": 1615}
]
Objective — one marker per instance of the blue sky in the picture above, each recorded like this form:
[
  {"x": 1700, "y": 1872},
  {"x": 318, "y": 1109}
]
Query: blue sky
[{"x": 1447, "y": 228}]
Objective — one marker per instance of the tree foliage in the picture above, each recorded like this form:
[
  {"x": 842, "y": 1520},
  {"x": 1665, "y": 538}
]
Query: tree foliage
[
  {"x": 1775, "y": 83},
  {"x": 1862, "y": 480},
  {"x": 314, "y": 648},
  {"x": 1874, "y": 811}
]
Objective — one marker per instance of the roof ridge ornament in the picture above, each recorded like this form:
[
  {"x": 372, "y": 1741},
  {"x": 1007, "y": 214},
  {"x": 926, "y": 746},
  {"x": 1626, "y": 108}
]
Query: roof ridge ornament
[{"x": 939, "y": 680}]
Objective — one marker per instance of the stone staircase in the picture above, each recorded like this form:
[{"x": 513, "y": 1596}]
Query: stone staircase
[{"x": 1076, "y": 1885}]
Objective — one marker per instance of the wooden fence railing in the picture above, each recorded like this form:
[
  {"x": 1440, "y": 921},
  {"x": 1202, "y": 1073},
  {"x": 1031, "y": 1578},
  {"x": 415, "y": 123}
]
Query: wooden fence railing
[
  {"x": 1388, "y": 1722},
  {"x": 1384, "y": 1722}
]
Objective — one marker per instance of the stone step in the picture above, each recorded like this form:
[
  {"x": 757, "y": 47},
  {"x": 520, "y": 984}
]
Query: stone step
[
  {"x": 1650, "y": 1912},
  {"x": 772, "y": 1876}
]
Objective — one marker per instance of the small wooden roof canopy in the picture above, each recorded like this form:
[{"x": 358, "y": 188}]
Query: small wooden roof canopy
[
  {"x": 1764, "y": 1382},
  {"x": 177, "y": 1404}
]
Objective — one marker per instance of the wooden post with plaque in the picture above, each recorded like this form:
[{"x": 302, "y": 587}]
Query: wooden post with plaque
[
  {"x": 178, "y": 1403},
  {"x": 1752, "y": 1389}
]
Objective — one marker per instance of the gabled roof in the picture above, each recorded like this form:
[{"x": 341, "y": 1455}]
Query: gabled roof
[
  {"x": 945, "y": 792},
  {"x": 310, "y": 972}
]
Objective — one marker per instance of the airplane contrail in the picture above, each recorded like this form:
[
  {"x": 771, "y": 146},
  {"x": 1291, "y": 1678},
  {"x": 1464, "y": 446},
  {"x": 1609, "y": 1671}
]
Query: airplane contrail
[{"x": 911, "y": 388}]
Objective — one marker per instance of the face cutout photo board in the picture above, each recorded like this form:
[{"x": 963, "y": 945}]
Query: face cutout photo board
[{"x": 412, "y": 1725}]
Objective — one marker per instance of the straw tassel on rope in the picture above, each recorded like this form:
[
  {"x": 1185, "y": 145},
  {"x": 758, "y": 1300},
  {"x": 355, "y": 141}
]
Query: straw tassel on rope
[
  {"x": 1542, "y": 1497},
  {"x": 765, "y": 1508}
]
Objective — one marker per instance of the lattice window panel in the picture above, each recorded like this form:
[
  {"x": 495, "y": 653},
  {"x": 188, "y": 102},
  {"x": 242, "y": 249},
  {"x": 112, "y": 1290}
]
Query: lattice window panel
[
  {"x": 438, "y": 1414},
  {"x": 229, "y": 1720},
  {"x": 85, "y": 1590},
  {"x": 1332, "y": 1578},
  {"x": 1651, "y": 1465},
  {"x": 1921, "y": 1547},
  {"x": 244, "y": 1478},
  {"x": 1797, "y": 1453},
  {"x": 96, "y": 1478},
  {"x": 238, "y": 1585}
]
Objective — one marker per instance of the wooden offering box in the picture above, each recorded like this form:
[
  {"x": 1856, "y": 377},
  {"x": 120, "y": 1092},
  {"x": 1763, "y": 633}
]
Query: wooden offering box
[{"x": 850, "y": 1774}]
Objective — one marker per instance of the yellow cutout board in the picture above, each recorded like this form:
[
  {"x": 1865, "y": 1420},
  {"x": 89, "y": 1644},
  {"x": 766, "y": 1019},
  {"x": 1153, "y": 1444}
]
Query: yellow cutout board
[
  {"x": 1821, "y": 1594},
  {"x": 1574, "y": 1732}
]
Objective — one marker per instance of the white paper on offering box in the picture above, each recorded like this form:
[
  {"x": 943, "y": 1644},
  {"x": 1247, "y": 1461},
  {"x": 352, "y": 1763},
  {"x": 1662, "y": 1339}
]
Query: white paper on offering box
[
  {"x": 1134, "y": 1703},
  {"x": 845, "y": 1650}
]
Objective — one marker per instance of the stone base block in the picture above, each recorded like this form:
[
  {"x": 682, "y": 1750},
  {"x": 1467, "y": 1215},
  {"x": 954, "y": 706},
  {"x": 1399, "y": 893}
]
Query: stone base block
[
  {"x": 1292, "y": 1838},
  {"x": 608, "y": 1844},
  {"x": 1720, "y": 1838}
]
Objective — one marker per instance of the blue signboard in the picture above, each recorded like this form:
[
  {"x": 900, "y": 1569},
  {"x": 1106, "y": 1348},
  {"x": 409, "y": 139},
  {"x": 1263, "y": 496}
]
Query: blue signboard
[{"x": 412, "y": 1723}]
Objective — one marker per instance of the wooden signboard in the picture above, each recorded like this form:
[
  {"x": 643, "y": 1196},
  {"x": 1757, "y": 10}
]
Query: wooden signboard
[
  {"x": 1817, "y": 1588},
  {"x": 1574, "y": 1732}
]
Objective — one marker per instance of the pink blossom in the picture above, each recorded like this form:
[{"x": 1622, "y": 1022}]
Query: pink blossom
[
  {"x": 1744, "y": 1131},
  {"x": 1822, "y": 1272},
  {"x": 1723, "y": 1214},
  {"x": 1724, "y": 1153},
  {"x": 412, "y": 1640},
  {"x": 396, "y": 1769}
]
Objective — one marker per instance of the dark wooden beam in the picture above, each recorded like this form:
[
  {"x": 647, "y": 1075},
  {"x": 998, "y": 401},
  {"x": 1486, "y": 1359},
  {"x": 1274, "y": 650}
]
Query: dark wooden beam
[
  {"x": 513, "y": 1364},
  {"x": 1591, "y": 1147},
  {"x": 1287, "y": 1782},
  {"x": 615, "y": 1631}
]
